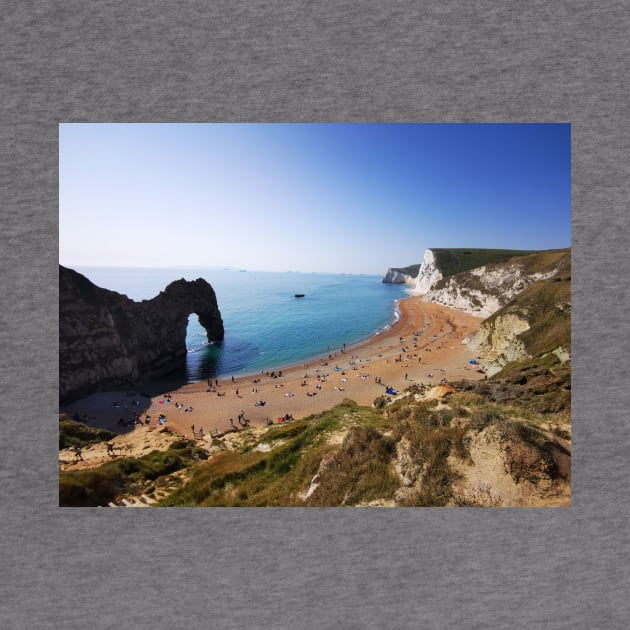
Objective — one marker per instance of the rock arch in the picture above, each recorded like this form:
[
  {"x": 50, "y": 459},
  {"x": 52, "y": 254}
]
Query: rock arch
[{"x": 107, "y": 340}]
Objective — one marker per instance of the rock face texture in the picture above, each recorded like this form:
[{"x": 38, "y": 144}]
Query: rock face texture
[
  {"x": 440, "y": 263},
  {"x": 428, "y": 274},
  {"x": 397, "y": 276},
  {"x": 402, "y": 275},
  {"x": 484, "y": 290},
  {"x": 107, "y": 340},
  {"x": 534, "y": 322}
]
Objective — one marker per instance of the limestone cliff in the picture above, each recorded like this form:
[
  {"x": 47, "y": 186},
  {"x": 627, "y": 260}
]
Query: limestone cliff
[
  {"x": 428, "y": 273},
  {"x": 107, "y": 340},
  {"x": 397, "y": 275},
  {"x": 534, "y": 322},
  {"x": 484, "y": 290},
  {"x": 442, "y": 263}
]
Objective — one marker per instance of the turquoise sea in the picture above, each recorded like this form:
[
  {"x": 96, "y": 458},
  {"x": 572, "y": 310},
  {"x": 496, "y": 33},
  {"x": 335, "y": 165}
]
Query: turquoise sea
[{"x": 265, "y": 326}]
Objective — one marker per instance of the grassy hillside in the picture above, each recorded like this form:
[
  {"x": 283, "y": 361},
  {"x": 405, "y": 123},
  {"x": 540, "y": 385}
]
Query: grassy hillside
[
  {"x": 349, "y": 456},
  {"x": 454, "y": 261},
  {"x": 407, "y": 453}
]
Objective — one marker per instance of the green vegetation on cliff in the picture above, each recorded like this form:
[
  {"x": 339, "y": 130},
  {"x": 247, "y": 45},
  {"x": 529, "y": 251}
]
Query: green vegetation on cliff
[
  {"x": 454, "y": 261},
  {"x": 75, "y": 433},
  {"x": 100, "y": 486},
  {"x": 278, "y": 468},
  {"x": 544, "y": 306}
]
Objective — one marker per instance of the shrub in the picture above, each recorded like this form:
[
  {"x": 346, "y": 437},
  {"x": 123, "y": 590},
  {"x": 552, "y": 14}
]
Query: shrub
[
  {"x": 101, "y": 485},
  {"x": 74, "y": 433},
  {"x": 486, "y": 416}
]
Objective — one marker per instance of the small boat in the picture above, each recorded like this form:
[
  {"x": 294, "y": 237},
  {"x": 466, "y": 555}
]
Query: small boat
[{"x": 299, "y": 295}]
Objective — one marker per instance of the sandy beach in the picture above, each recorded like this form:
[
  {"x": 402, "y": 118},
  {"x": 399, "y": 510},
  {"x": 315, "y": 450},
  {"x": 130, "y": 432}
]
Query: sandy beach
[{"x": 424, "y": 346}]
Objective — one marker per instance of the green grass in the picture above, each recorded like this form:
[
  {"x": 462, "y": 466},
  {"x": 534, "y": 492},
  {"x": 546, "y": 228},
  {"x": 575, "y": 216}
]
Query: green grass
[
  {"x": 99, "y": 486},
  {"x": 453, "y": 261},
  {"x": 73, "y": 433},
  {"x": 356, "y": 468},
  {"x": 254, "y": 478},
  {"x": 358, "y": 472}
]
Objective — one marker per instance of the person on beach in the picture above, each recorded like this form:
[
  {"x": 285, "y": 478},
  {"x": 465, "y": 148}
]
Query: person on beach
[{"x": 78, "y": 454}]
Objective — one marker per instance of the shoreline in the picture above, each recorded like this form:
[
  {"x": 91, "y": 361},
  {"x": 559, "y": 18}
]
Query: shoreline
[
  {"x": 395, "y": 318},
  {"x": 424, "y": 346}
]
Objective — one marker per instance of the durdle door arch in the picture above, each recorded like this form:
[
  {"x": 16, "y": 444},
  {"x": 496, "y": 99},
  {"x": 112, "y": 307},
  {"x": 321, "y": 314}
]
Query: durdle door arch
[{"x": 107, "y": 340}]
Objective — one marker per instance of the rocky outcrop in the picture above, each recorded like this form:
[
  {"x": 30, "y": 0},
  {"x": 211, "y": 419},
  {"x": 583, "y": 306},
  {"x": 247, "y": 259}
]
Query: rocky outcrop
[
  {"x": 397, "y": 276},
  {"x": 533, "y": 321},
  {"x": 513, "y": 465},
  {"x": 498, "y": 341},
  {"x": 402, "y": 275},
  {"x": 107, "y": 340}
]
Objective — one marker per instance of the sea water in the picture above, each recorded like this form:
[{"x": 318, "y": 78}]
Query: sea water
[{"x": 266, "y": 327}]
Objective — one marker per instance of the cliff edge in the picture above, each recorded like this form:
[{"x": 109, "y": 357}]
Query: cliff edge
[
  {"x": 107, "y": 340},
  {"x": 440, "y": 263}
]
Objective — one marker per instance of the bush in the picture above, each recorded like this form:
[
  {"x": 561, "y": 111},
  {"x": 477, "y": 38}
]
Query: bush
[
  {"x": 486, "y": 416},
  {"x": 74, "y": 433},
  {"x": 89, "y": 488},
  {"x": 358, "y": 472},
  {"x": 99, "y": 486}
]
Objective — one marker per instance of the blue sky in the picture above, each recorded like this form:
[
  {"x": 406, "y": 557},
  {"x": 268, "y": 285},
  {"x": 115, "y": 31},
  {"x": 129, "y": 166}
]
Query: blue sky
[{"x": 354, "y": 198}]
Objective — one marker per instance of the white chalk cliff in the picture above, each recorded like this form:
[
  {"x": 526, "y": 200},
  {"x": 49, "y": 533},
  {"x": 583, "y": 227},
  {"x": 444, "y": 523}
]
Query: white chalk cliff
[
  {"x": 483, "y": 291},
  {"x": 428, "y": 275},
  {"x": 501, "y": 293},
  {"x": 397, "y": 276}
]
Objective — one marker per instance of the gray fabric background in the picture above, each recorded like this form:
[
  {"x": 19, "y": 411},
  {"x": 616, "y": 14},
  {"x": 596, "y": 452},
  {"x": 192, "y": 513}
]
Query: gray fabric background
[{"x": 313, "y": 61}]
